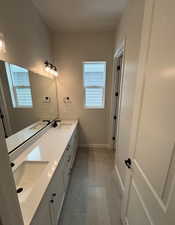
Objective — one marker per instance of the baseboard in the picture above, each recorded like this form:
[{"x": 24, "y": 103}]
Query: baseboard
[
  {"x": 126, "y": 221},
  {"x": 119, "y": 181},
  {"x": 95, "y": 146}
]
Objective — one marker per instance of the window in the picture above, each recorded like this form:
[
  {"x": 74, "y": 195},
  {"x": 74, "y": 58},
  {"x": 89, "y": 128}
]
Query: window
[
  {"x": 94, "y": 80},
  {"x": 19, "y": 84}
]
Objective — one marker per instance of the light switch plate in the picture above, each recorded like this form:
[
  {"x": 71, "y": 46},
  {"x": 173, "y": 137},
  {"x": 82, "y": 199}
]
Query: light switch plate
[{"x": 46, "y": 99}]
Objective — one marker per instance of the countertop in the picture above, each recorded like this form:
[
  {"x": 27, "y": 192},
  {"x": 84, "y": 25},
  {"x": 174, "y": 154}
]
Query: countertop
[
  {"x": 49, "y": 147},
  {"x": 19, "y": 137}
]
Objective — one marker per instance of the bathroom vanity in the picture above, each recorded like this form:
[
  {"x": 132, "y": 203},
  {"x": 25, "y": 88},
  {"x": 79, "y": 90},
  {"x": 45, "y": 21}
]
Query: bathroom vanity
[
  {"x": 41, "y": 154},
  {"x": 42, "y": 172}
]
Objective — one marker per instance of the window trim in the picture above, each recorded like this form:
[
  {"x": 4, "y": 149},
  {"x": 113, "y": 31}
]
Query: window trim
[
  {"x": 103, "y": 87},
  {"x": 13, "y": 88}
]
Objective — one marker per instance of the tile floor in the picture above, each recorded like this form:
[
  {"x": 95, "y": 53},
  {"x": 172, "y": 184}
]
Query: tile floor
[{"x": 93, "y": 197}]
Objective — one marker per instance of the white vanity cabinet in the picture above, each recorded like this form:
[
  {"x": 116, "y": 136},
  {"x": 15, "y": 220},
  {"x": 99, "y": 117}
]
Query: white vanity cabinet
[
  {"x": 43, "y": 214},
  {"x": 74, "y": 146},
  {"x": 56, "y": 192},
  {"x": 50, "y": 206},
  {"x": 69, "y": 157}
]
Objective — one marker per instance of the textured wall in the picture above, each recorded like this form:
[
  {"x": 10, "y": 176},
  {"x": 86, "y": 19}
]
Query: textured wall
[
  {"x": 27, "y": 38},
  {"x": 70, "y": 50}
]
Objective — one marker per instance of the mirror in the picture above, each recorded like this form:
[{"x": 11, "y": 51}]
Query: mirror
[{"x": 27, "y": 101}]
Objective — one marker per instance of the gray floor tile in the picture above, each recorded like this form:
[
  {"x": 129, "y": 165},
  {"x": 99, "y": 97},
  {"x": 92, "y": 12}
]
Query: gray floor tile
[{"x": 92, "y": 197}]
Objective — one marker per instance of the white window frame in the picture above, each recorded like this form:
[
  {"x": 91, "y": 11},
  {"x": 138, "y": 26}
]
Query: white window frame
[
  {"x": 13, "y": 88},
  {"x": 102, "y": 87}
]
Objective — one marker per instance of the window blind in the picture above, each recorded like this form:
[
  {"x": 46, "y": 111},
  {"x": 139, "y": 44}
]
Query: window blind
[
  {"x": 94, "y": 84},
  {"x": 19, "y": 84},
  {"x": 20, "y": 79},
  {"x": 24, "y": 97}
]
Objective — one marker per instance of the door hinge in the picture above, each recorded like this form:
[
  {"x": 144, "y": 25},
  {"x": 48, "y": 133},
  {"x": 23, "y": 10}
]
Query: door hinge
[
  {"x": 115, "y": 117},
  {"x": 113, "y": 138},
  {"x": 118, "y": 68},
  {"x": 116, "y": 94}
]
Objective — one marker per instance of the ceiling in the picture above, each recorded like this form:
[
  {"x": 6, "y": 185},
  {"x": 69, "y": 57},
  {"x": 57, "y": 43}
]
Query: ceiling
[{"x": 80, "y": 15}]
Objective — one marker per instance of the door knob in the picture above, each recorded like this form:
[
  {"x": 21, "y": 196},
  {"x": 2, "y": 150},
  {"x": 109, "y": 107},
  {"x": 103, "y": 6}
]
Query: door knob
[
  {"x": 128, "y": 163},
  {"x": 12, "y": 164}
]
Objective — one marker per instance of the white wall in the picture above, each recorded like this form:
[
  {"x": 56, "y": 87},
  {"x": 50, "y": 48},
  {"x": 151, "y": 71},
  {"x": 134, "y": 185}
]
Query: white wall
[
  {"x": 71, "y": 49},
  {"x": 27, "y": 38},
  {"x": 27, "y": 41},
  {"x": 129, "y": 29},
  {"x": 10, "y": 212}
]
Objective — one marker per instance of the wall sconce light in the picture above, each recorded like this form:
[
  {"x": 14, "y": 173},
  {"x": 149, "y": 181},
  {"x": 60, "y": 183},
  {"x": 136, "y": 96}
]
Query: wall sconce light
[
  {"x": 2, "y": 43},
  {"x": 50, "y": 68}
]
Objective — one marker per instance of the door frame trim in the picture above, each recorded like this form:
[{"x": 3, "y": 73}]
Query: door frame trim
[{"x": 119, "y": 51}]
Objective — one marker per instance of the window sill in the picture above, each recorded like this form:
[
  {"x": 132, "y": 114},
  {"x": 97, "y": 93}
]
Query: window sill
[{"x": 95, "y": 108}]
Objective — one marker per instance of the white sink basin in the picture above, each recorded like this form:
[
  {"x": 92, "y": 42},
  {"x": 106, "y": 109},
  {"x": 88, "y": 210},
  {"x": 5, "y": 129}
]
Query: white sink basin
[{"x": 26, "y": 176}]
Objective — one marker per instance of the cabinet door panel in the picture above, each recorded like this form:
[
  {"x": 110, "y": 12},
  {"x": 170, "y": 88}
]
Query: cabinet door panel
[
  {"x": 57, "y": 193},
  {"x": 57, "y": 205},
  {"x": 66, "y": 176},
  {"x": 42, "y": 216}
]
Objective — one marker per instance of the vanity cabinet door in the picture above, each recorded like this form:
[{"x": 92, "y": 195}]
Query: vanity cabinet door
[
  {"x": 74, "y": 146},
  {"x": 69, "y": 157},
  {"x": 56, "y": 190},
  {"x": 66, "y": 170},
  {"x": 67, "y": 177},
  {"x": 43, "y": 214},
  {"x": 76, "y": 140},
  {"x": 49, "y": 209},
  {"x": 55, "y": 208}
]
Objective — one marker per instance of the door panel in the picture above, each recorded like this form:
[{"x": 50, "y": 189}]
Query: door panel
[
  {"x": 157, "y": 124},
  {"x": 152, "y": 177},
  {"x": 157, "y": 212},
  {"x": 136, "y": 207}
]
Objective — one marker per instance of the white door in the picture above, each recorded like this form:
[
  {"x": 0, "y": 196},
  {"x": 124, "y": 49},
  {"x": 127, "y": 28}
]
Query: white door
[{"x": 150, "y": 186}]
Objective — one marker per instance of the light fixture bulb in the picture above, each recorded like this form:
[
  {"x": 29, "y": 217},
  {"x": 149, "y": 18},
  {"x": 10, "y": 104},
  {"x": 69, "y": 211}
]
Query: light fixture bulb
[
  {"x": 2, "y": 43},
  {"x": 50, "y": 68},
  {"x": 47, "y": 69},
  {"x": 55, "y": 73}
]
